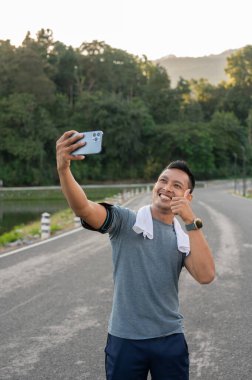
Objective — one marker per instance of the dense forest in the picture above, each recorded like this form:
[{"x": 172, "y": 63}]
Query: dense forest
[{"x": 47, "y": 88}]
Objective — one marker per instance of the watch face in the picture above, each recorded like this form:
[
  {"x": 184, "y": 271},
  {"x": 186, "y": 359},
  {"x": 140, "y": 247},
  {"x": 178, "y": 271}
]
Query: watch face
[{"x": 198, "y": 223}]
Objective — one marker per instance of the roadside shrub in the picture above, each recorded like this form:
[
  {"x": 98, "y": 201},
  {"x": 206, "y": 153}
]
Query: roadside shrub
[{"x": 10, "y": 237}]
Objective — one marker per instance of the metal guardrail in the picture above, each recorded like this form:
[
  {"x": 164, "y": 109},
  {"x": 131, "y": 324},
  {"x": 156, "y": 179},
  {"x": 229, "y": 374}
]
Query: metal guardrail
[{"x": 118, "y": 185}]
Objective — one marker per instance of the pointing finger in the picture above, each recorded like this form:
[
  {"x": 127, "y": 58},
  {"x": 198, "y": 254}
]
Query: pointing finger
[{"x": 187, "y": 192}]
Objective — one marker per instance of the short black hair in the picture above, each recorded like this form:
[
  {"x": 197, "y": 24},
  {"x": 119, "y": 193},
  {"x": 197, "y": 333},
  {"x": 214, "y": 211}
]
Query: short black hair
[{"x": 182, "y": 165}]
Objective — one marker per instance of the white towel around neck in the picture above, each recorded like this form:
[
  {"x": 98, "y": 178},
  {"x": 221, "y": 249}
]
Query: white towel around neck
[{"x": 144, "y": 225}]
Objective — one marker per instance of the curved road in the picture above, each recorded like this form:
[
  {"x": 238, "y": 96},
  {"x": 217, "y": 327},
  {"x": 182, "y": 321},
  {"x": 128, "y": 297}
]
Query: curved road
[{"x": 56, "y": 299}]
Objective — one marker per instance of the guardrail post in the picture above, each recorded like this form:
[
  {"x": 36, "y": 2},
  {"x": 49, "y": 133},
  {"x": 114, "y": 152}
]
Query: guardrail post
[
  {"x": 77, "y": 222},
  {"x": 45, "y": 225},
  {"x": 119, "y": 198}
]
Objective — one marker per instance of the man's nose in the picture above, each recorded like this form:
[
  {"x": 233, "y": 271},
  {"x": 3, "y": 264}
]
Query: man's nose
[{"x": 167, "y": 186}]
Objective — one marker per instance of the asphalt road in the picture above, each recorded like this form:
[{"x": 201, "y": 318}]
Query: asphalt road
[{"x": 56, "y": 300}]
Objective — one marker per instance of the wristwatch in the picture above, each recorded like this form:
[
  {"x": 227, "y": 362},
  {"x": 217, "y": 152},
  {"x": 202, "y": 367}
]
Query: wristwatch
[{"x": 195, "y": 225}]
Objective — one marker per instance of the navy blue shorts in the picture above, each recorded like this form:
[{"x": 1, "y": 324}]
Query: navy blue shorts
[{"x": 166, "y": 358}]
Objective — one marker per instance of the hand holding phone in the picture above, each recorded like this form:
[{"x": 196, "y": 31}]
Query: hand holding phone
[{"x": 93, "y": 143}]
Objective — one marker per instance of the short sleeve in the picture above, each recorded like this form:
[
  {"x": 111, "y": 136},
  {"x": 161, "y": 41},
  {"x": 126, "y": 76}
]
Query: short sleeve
[
  {"x": 116, "y": 220},
  {"x": 104, "y": 228}
]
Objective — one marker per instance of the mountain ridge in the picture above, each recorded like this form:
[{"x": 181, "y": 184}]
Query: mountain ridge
[{"x": 211, "y": 67}]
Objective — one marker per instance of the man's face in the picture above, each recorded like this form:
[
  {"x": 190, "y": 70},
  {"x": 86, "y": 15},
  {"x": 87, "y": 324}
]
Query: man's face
[{"x": 171, "y": 183}]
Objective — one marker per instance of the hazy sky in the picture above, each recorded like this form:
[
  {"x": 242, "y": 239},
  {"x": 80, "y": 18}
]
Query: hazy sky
[{"x": 154, "y": 28}]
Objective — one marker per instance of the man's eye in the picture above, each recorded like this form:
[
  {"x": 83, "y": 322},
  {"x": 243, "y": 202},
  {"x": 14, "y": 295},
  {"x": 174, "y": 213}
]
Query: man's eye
[
  {"x": 177, "y": 186},
  {"x": 162, "y": 180}
]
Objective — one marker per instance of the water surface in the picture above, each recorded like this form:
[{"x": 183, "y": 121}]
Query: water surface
[{"x": 14, "y": 213}]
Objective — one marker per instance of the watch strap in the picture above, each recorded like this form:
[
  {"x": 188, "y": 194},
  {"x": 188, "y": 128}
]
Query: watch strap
[{"x": 195, "y": 225}]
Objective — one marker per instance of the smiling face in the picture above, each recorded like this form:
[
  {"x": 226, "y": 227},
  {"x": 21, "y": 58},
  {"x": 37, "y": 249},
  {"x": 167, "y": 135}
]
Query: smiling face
[{"x": 171, "y": 183}]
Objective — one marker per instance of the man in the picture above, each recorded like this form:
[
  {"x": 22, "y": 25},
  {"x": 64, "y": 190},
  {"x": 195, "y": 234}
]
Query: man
[{"x": 149, "y": 251}]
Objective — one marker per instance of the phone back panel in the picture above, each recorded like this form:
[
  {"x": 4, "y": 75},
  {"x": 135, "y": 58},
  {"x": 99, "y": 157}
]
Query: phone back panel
[{"x": 93, "y": 145}]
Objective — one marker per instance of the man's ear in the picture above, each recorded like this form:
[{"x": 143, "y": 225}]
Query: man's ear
[{"x": 191, "y": 197}]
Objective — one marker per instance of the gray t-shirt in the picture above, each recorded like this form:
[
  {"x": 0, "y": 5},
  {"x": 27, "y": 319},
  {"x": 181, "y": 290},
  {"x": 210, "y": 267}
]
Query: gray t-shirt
[{"x": 146, "y": 273}]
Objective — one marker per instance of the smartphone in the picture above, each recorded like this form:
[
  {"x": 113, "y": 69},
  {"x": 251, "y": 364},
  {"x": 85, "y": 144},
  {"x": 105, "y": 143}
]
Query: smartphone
[{"x": 93, "y": 142}]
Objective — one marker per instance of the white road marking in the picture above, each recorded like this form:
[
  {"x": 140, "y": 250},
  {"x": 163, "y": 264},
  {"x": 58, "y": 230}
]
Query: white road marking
[
  {"x": 227, "y": 258},
  {"x": 26, "y": 302},
  {"x": 205, "y": 354},
  {"x": 202, "y": 357},
  {"x": 247, "y": 245},
  {"x": 41, "y": 242}
]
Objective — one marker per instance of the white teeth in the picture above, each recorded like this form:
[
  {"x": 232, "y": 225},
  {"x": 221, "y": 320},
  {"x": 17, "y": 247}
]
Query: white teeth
[{"x": 165, "y": 197}]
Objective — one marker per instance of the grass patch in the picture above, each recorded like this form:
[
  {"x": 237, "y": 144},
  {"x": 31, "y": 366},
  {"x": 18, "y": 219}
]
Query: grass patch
[
  {"x": 9, "y": 237},
  {"x": 61, "y": 220}
]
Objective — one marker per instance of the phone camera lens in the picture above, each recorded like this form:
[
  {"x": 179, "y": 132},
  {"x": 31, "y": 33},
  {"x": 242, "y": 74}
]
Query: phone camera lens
[
  {"x": 95, "y": 139},
  {"x": 98, "y": 134}
]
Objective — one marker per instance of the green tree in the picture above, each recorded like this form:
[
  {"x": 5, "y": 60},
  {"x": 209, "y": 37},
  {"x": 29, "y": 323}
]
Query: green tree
[
  {"x": 189, "y": 108},
  {"x": 206, "y": 96},
  {"x": 228, "y": 136},
  {"x": 66, "y": 64},
  {"x": 30, "y": 76},
  {"x": 239, "y": 67},
  {"x": 43, "y": 46},
  {"x": 47, "y": 87},
  {"x": 161, "y": 100},
  {"x": 110, "y": 70},
  {"x": 7, "y": 56},
  {"x": 238, "y": 97},
  {"x": 127, "y": 128},
  {"x": 184, "y": 141},
  {"x": 27, "y": 139}
]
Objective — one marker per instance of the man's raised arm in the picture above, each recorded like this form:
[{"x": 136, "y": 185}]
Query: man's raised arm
[{"x": 93, "y": 213}]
